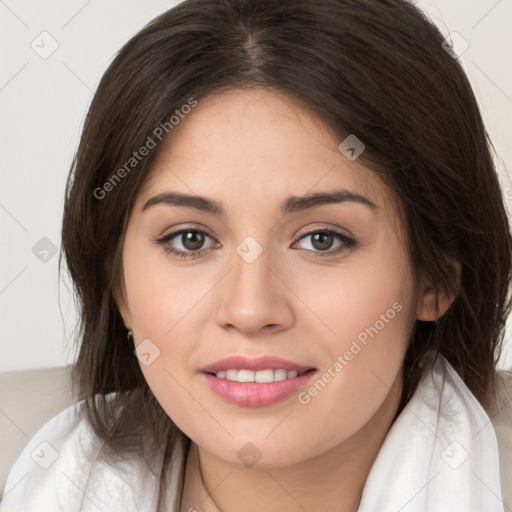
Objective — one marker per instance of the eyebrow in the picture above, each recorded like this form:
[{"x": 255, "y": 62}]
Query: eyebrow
[{"x": 292, "y": 204}]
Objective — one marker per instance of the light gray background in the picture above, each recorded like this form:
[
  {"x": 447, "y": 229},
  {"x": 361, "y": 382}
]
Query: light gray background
[{"x": 43, "y": 103}]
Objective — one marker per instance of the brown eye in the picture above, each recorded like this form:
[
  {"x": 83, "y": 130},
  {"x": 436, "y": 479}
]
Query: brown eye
[
  {"x": 322, "y": 240},
  {"x": 191, "y": 241}
]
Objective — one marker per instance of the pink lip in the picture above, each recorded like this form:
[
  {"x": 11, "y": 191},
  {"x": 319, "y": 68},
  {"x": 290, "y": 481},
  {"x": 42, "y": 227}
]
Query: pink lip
[
  {"x": 257, "y": 363},
  {"x": 255, "y": 394}
]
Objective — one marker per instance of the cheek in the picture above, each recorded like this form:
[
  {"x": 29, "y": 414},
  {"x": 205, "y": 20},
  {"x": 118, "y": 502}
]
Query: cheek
[
  {"x": 369, "y": 302},
  {"x": 373, "y": 312},
  {"x": 161, "y": 294},
  {"x": 371, "y": 316},
  {"x": 161, "y": 301}
]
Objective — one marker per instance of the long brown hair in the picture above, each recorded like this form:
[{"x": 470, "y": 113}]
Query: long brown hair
[{"x": 373, "y": 68}]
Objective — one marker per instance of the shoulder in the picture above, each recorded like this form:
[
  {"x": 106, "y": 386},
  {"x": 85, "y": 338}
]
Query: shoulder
[
  {"x": 501, "y": 418},
  {"x": 48, "y": 457},
  {"x": 60, "y": 470}
]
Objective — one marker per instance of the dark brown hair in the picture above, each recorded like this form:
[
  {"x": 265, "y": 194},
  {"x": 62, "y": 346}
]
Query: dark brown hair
[{"x": 373, "y": 68}]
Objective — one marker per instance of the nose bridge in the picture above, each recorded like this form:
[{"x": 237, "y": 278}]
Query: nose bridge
[
  {"x": 253, "y": 297},
  {"x": 251, "y": 273}
]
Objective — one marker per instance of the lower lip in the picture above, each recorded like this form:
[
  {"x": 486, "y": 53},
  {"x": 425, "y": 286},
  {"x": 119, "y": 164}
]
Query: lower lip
[{"x": 255, "y": 394}]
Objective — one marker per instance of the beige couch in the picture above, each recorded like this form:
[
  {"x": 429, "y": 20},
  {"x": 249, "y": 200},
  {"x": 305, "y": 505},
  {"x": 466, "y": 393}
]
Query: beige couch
[{"x": 28, "y": 399}]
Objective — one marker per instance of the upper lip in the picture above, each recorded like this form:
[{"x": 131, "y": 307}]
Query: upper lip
[{"x": 240, "y": 362}]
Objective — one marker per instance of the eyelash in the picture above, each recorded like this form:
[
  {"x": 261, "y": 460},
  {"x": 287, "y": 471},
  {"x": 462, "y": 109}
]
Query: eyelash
[{"x": 349, "y": 243}]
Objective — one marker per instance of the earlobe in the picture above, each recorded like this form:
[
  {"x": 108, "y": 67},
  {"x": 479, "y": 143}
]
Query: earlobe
[{"x": 433, "y": 303}]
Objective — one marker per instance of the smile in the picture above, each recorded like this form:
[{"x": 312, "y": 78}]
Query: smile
[
  {"x": 261, "y": 376},
  {"x": 249, "y": 388}
]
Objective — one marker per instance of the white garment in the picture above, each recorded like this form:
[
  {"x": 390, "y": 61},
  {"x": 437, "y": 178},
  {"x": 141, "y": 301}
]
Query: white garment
[{"x": 440, "y": 455}]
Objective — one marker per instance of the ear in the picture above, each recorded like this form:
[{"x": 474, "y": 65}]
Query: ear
[
  {"x": 122, "y": 305},
  {"x": 433, "y": 304}
]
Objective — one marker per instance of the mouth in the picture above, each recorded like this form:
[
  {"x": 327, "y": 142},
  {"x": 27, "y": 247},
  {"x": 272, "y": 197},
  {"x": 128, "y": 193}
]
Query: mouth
[
  {"x": 256, "y": 382},
  {"x": 254, "y": 364}
]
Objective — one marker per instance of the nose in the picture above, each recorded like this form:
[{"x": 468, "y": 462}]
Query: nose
[{"x": 254, "y": 297}]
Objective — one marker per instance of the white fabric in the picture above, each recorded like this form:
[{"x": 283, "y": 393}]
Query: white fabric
[{"x": 440, "y": 455}]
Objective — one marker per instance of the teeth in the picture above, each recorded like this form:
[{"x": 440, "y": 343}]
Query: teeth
[
  {"x": 232, "y": 374},
  {"x": 245, "y": 376},
  {"x": 257, "y": 376},
  {"x": 280, "y": 375},
  {"x": 263, "y": 376}
]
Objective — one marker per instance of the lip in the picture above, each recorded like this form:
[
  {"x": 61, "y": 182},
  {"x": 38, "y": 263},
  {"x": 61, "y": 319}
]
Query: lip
[
  {"x": 255, "y": 394},
  {"x": 256, "y": 363}
]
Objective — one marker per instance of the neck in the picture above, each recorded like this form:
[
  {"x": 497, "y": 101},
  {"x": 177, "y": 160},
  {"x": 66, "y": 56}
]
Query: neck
[{"x": 332, "y": 481}]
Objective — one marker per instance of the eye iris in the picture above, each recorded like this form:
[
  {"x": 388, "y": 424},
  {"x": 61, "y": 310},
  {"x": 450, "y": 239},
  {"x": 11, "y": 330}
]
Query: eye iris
[
  {"x": 323, "y": 237},
  {"x": 192, "y": 240}
]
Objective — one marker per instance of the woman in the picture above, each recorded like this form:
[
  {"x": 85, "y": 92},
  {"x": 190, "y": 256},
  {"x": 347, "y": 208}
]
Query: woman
[{"x": 293, "y": 273}]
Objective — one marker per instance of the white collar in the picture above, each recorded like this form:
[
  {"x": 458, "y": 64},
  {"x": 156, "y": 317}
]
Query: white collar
[{"x": 441, "y": 453}]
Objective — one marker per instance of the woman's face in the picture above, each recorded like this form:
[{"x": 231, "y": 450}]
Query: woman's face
[{"x": 326, "y": 286}]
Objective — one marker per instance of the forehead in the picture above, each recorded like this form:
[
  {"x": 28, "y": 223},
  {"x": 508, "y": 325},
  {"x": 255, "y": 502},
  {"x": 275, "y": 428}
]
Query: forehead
[{"x": 255, "y": 144}]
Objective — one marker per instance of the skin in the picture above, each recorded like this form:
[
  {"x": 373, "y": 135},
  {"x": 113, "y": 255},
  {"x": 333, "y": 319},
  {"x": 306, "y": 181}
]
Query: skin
[{"x": 250, "y": 150}]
